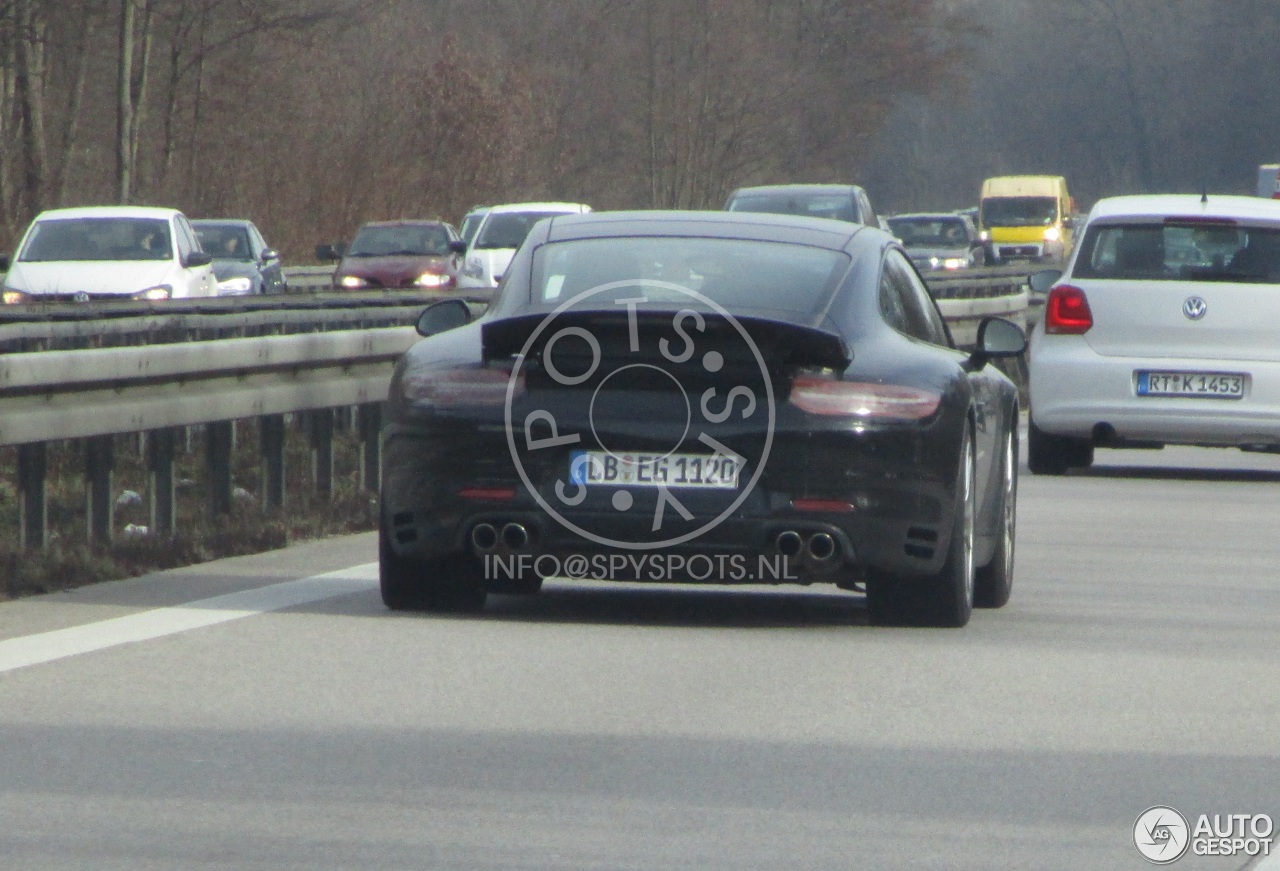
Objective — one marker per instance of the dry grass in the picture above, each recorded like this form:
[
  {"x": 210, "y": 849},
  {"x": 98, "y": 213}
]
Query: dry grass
[{"x": 71, "y": 561}]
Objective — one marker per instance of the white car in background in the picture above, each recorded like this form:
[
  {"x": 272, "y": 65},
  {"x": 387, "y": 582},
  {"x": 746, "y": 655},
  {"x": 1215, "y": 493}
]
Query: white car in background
[
  {"x": 500, "y": 232},
  {"x": 1162, "y": 330},
  {"x": 100, "y": 253}
]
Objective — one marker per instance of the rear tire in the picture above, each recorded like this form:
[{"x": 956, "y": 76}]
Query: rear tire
[
  {"x": 1049, "y": 454},
  {"x": 945, "y": 599},
  {"x": 453, "y": 582},
  {"x": 993, "y": 583}
]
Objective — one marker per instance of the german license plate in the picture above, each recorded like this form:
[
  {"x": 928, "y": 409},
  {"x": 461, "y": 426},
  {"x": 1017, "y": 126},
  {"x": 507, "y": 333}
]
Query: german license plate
[
  {"x": 1207, "y": 385},
  {"x": 701, "y": 471}
]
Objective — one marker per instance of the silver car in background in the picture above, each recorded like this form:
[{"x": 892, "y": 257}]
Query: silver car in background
[{"x": 1164, "y": 329}]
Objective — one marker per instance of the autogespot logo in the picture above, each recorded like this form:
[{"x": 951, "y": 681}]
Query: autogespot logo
[
  {"x": 597, "y": 458},
  {"x": 1161, "y": 835}
]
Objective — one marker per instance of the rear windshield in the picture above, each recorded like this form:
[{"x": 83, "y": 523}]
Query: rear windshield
[
  {"x": 1181, "y": 252},
  {"x": 69, "y": 239},
  {"x": 508, "y": 229},
  {"x": 408, "y": 240},
  {"x": 734, "y": 273},
  {"x": 1019, "y": 211},
  {"x": 818, "y": 205},
  {"x": 930, "y": 232}
]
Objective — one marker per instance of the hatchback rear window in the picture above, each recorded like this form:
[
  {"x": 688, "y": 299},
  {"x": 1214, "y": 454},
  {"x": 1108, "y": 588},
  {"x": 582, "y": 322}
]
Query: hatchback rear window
[{"x": 1180, "y": 251}]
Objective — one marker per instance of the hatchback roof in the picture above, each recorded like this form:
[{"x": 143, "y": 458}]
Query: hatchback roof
[{"x": 1187, "y": 205}]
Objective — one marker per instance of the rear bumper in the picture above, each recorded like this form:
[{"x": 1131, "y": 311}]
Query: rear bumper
[
  {"x": 1074, "y": 391},
  {"x": 899, "y": 522}
]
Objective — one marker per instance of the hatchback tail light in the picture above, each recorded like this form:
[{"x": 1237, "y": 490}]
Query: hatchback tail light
[
  {"x": 1066, "y": 311},
  {"x": 451, "y": 388},
  {"x": 826, "y": 396}
]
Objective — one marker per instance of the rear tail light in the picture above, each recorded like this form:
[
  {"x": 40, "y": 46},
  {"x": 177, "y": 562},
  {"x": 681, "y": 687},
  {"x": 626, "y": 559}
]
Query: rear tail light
[
  {"x": 1066, "y": 311},
  {"x": 452, "y": 388},
  {"x": 829, "y": 397}
]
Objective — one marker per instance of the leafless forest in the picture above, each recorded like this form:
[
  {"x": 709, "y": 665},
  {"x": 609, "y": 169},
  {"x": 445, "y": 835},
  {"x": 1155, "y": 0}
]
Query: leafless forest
[{"x": 310, "y": 116}]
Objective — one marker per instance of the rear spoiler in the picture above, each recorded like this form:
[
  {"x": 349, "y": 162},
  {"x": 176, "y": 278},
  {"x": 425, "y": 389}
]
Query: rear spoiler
[{"x": 781, "y": 343}]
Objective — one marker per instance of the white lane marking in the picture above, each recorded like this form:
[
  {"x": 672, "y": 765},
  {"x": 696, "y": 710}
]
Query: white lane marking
[{"x": 48, "y": 646}]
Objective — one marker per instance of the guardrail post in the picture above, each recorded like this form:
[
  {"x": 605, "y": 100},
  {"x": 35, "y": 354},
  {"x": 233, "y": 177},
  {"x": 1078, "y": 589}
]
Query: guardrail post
[
  {"x": 370, "y": 417},
  {"x": 273, "y": 489},
  {"x": 321, "y": 420},
  {"x": 218, "y": 460},
  {"x": 161, "y": 446},
  {"x": 99, "y": 464},
  {"x": 34, "y": 512}
]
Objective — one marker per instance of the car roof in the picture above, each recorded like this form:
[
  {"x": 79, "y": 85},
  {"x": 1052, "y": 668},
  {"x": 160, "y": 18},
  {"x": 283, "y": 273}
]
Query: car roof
[
  {"x": 927, "y": 216},
  {"x": 564, "y": 208},
  {"x": 759, "y": 226},
  {"x": 405, "y": 222},
  {"x": 108, "y": 212},
  {"x": 798, "y": 189},
  {"x": 1186, "y": 205}
]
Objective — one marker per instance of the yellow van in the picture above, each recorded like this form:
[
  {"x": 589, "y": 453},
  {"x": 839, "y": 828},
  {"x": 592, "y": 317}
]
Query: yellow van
[{"x": 1026, "y": 217}]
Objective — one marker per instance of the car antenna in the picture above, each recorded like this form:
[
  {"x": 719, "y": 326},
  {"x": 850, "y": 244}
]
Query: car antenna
[{"x": 1204, "y": 194}]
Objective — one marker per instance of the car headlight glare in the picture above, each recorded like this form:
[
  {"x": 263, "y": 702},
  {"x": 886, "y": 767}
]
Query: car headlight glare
[
  {"x": 955, "y": 263},
  {"x": 1051, "y": 234},
  {"x": 240, "y": 284},
  {"x": 14, "y": 297},
  {"x": 433, "y": 279},
  {"x": 352, "y": 282},
  {"x": 159, "y": 292},
  {"x": 984, "y": 236}
]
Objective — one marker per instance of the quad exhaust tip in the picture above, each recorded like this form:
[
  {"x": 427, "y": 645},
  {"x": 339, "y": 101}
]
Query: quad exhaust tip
[
  {"x": 484, "y": 538},
  {"x": 822, "y": 547},
  {"x": 515, "y": 536},
  {"x": 789, "y": 543}
]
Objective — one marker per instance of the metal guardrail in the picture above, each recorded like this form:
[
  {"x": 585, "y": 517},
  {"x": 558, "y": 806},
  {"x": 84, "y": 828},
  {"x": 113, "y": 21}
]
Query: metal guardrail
[{"x": 212, "y": 361}]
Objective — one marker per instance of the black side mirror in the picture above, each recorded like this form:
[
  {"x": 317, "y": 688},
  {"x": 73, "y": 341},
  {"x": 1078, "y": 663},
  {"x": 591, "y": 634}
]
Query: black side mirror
[
  {"x": 439, "y": 317},
  {"x": 269, "y": 254},
  {"x": 331, "y": 252},
  {"x": 4, "y": 262},
  {"x": 458, "y": 246},
  {"x": 998, "y": 337},
  {"x": 197, "y": 258},
  {"x": 1041, "y": 281}
]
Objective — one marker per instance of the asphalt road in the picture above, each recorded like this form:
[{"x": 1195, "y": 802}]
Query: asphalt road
[{"x": 246, "y": 714}]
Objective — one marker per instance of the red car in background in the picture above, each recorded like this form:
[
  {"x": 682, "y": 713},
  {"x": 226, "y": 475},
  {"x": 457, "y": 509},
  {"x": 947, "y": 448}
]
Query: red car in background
[{"x": 398, "y": 254}]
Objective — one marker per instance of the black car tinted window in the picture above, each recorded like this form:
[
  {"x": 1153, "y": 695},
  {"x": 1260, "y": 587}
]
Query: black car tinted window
[{"x": 734, "y": 273}]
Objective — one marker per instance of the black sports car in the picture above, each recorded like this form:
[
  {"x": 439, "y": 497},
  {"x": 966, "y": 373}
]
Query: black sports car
[{"x": 707, "y": 397}]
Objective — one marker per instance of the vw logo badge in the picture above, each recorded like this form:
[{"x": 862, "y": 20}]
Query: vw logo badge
[
  {"x": 80, "y": 296},
  {"x": 1194, "y": 308}
]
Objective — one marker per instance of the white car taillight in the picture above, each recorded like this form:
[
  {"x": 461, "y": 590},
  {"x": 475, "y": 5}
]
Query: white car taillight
[{"x": 1066, "y": 311}]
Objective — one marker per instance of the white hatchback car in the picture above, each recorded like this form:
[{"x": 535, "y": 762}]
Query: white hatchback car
[
  {"x": 108, "y": 253},
  {"x": 501, "y": 231},
  {"x": 1161, "y": 331}
]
